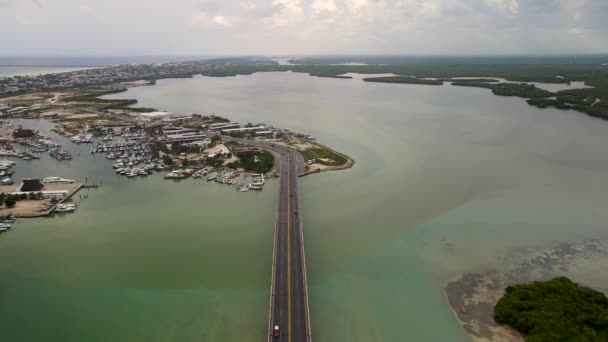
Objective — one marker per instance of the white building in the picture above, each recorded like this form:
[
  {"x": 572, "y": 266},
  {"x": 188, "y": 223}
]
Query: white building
[
  {"x": 153, "y": 116},
  {"x": 243, "y": 129}
]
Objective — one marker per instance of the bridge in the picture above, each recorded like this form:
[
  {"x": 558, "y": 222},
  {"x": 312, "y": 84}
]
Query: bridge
[{"x": 289, "y": 291}]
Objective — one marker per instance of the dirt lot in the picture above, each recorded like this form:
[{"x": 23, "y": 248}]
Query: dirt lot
[
  {"x": 29, "y": 208},
  {"x": 24, "y": 208}
]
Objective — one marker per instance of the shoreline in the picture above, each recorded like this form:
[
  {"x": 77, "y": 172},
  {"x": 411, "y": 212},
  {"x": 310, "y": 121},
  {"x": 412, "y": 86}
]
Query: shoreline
[
  {"x": 471, "y": 298},
  {"x": 349, "y": 164},
  {"x": 472, "y": 295}
]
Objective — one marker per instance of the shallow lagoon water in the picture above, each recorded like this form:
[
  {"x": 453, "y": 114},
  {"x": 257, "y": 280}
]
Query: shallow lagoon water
[{"x": 447, "y": 180}]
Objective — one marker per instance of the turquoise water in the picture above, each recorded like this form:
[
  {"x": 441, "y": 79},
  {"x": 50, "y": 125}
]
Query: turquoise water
[{"x": 447, "y": 180}]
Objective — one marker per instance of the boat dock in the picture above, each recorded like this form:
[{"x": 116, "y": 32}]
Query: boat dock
[{"x": 33, "y": 208}]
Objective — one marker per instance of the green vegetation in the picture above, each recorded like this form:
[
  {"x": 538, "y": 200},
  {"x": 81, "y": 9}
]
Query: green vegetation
[
  {"x": 509, "y": 89},
  {"x": 167, "y": 160},
  {"x": 555, "y": 311},
  {"x": 403, "y": 79},
  {"x": 259, "y": 162},
  {"x": 179, "y": 148},
  {"x": 204, "y": 120},
  {"x": 324, "y": 156},
  {"x": 485, "y": 80},
  {"x": 545, "y": 103},
  {"x": 11, "y": 200},
  {"x": 91, "y": 97},
  {"x": 215, "y": 161}
]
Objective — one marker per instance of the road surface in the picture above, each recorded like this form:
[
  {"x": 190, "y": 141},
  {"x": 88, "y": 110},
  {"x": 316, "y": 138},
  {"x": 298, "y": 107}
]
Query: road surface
[{"x": 289, "y": 295}]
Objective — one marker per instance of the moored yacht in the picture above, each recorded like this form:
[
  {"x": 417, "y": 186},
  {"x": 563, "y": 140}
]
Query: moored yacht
[
  {"x": 65, "y": 207},
  {"x": 57, "y": 180}
]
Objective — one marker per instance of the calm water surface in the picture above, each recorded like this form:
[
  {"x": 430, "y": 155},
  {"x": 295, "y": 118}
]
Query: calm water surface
[{"x": 447, "y": 180}]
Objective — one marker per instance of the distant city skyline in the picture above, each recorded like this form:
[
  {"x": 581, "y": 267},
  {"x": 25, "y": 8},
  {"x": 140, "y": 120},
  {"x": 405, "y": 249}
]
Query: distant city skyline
[{"x": 291, "y": 27}]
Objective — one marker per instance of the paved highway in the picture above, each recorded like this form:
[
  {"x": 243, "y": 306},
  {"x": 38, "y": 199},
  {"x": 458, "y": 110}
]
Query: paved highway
[{"x": 289, "y": 297}]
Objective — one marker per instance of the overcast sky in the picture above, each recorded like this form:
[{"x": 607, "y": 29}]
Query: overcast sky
[{"x": 206, "y": 27}]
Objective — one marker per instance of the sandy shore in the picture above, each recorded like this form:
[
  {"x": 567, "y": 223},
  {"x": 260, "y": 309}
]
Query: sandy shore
[{"x": 473, "y": 296}]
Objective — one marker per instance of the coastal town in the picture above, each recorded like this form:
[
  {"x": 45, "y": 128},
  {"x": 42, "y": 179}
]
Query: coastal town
[
  {"x": 138, "y": 143},
  {"x": 143, "y": 73}
]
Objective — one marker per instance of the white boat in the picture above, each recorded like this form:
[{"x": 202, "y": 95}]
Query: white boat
[
  {"x": 255, "y": 187},
  {"x": 5, "y": 225},
  {"x": 258, "y": 180},
  {"x": 65, "y": 208},
  {"x": 243, "y": 188},
  {"x": 175, "y": 175},
  {"x": 57, "y": 180},
  {"x": 2, "y": 230},
  {"x": 9, "y": 219}
]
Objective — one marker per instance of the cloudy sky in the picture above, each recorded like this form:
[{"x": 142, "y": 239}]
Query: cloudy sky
[{"x": 207, "y": 27}]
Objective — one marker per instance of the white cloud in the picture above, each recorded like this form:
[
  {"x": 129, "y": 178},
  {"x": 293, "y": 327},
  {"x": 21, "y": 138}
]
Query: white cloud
[
  {"x": 302, "y": 26},
  {"x": 221, "y": 21},
  {"x": 205, "y": 20},
  {"x": 286, "y": 12},
  {"x": 505, "y": 5},
  {"x": 321, "y": 6}
]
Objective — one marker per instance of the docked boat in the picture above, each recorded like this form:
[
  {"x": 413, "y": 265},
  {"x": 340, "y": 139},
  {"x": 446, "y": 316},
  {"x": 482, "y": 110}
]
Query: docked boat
[
  {"x": 9, "y": 219},
  {"x": 258, "y": 180},
  {"x": 243, "y": 188},
  {"x": 255, "y": 187},
  {"x": 57, "y": 180},
  {"x": 5, "y": 225},
  {"x": 65, "y": 208},
  {"x": 175, "y": 175}
]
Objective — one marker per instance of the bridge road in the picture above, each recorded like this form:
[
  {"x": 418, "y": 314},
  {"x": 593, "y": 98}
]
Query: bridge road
[{"x": 289, "y": 294}]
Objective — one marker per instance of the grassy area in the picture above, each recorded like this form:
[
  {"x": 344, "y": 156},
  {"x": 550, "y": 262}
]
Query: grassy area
[
  {"x": 91, "y": 95},
  {"x": 205, "y": 120},
  {"x": 91, "y": 98},
  {"x": 320, "y": 152},
  {"x": 556, "y": 310}
]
